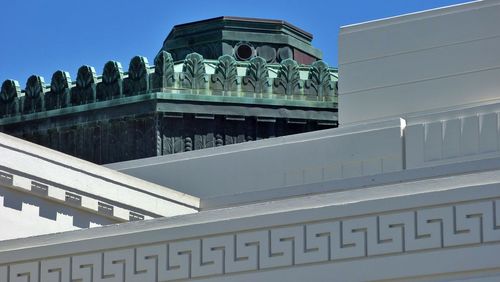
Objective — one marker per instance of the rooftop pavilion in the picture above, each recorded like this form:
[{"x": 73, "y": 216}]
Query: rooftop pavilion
[
  {"x": 243, "y": 38},
  {"x": 196, "y": 95}
]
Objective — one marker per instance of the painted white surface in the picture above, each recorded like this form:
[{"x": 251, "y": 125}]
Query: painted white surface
[
  {"x": 38, "y": 188},
  {"x": 440, "y": 58},
  {"x": 278, "y": 162},
  {"x": 24, "y": 215},
  {"x": 446, "y": 226},
  {"x": 439, "y": 221},
  {"x": 93, "y": 183},
  {"x": 453, "y": 136}
]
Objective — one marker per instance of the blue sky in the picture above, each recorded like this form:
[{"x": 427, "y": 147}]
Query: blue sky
[{"x": 40, "y": 37}]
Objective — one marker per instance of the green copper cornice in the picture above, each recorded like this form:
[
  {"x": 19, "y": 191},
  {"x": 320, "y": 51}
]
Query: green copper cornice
[
  {"x": 194, "y": 79},
  {"x": 216, "y": 82},
  {"x": 186, "y": 96}
]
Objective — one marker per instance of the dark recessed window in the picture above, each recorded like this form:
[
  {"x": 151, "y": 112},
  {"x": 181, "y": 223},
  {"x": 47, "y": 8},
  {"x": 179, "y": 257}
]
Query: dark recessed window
[{"x": 244, "y": 51}]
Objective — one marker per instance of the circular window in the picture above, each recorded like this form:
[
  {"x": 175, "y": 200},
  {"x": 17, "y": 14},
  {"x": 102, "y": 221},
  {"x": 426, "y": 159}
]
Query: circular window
[{"x": 243, "y": 51}]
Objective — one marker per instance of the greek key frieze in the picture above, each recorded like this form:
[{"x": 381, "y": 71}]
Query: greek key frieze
[{"x": 299, "y": 244}]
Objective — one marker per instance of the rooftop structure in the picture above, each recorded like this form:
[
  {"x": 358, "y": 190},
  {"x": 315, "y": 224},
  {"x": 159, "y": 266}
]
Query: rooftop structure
[
  {"x": 179, "y": 104},
  {"x": 242, "y": 38}
]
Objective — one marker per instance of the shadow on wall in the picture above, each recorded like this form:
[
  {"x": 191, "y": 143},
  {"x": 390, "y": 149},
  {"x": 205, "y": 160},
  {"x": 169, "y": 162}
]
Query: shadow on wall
[{"x": 47, "y": 209}]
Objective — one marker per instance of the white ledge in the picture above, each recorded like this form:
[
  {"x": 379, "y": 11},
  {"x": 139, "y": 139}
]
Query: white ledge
[
  {"x": 33, "y": 162},
  {"x": 194, "y": 244}
]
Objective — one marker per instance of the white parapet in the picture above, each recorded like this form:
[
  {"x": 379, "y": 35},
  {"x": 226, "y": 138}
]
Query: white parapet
[
  {"x": 332, "y": 154},
  {"x": 433, "y": 59},
  {"x": 453, "y": 136}
]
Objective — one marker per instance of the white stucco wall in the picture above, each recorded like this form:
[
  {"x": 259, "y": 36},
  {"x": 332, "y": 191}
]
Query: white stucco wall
[
  {"x": 24, "y": 215},
  {"x": 319, "y": 156},
  {"x": 453, "y": 136},
  {"x": 43, "y": 191},
  {"x": 423, "y": 61}
]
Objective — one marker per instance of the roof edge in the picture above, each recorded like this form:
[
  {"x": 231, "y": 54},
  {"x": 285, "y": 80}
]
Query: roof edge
[
  {"x": 419, "y": 15},
  {"x": 247, "y": 19}
]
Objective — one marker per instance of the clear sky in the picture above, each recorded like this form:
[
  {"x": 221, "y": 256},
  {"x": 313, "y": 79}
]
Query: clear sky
[{"x": 40, "y": 37}]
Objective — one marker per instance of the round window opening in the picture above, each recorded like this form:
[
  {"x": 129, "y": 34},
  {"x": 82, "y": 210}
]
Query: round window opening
[{"x": 244, "y": 51}]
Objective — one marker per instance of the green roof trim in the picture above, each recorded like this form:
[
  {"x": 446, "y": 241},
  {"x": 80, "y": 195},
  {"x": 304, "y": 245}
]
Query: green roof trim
[{"x": 195, "y": 79}]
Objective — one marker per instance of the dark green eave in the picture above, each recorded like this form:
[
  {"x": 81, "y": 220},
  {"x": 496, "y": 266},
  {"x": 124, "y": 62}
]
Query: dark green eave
[{"x": 266, "y": 26}]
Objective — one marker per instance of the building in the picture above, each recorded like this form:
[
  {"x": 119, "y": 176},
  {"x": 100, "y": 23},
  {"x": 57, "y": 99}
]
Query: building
[
  {"x": 407, "y": 188},
  {"x": 215, "y": 82}
]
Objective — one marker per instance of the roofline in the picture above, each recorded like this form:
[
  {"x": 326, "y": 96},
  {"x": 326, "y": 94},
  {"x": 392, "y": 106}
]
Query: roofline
[
  {"x": 42, "y": 156},
  {"x": 416, "y": 15},
  {"x": 245, "y": 19}
]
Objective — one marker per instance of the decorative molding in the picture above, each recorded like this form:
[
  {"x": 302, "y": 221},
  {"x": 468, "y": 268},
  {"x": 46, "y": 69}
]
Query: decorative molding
[
  {"x": 164, "y": 71},
  {"x": 193, "y": 72},
  {"x": 58, "y": 95},
  {"x": 319, "y": 82},
  {"x": 9, "y": 91},
  {"x": 219, "y": 141},
  {"x": 70, "y": 197},
  {"x": 111, "y": 85},
  {"x": 77, "y": 120},
  {"x": 9, "y": 94},
  {"x": 84, "y": 92},
  {"x": 188, "y": 144},
  {"x": 202, "y": 141},
  {"x": 138, "y": 78},
  {"x": 433, "y": 228},
  {"x": 257, "y": 76},
  {"x": 35, "y": 91},
  {"x": 288, "y": 80},
  {"x": 226, "y": 75},
  {"x": 453, "y": 136}
]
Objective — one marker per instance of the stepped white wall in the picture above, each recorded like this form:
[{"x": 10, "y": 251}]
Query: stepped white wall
[{"x": 418, "y": 62}]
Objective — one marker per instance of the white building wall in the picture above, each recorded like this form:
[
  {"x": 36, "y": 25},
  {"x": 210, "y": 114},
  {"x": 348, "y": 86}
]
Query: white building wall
[
  {"x": 43, "y": 191},
  {"x": 453, "y": 136},
  {"x": 441, "y": 229},
  {"x": 24, "y": 215},
  {"x": 341, "y": 153},
  {"x": 418, "y": 62}
]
